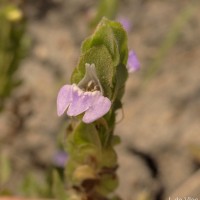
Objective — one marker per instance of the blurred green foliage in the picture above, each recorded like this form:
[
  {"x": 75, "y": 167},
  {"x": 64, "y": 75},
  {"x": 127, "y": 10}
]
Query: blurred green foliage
[
  {"x": 106, "y": 8},
  {"x": 5, "y": 171},
  {"x": 32, "y": 187},
  {"x": 58, "y": 187},
  {"x": 13, "y": 47}
]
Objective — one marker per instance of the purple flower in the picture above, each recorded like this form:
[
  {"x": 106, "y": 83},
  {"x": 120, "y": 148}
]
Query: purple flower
[
  {"x": 133, "y": 63},
  {"x": 86, "y": 97},
  {"x": 125, "y": 23},
  {"x": 60, "y": 159}
]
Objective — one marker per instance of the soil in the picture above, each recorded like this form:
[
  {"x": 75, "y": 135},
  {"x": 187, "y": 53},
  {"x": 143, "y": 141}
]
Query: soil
[{"x": 160, "y": 130}]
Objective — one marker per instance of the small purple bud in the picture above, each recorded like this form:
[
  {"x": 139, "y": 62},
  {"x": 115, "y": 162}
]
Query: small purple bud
[
  {"x": 60, "y": 159},
  {"x": 133, "y": 63},
  {"x": 125, "y": 23}
]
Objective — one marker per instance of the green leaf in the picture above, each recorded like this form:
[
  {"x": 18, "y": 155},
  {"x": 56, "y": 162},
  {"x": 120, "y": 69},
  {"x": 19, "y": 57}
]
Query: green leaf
[
  {"x": 86, "y": 133},
  {"x": 104, "y": 36},
  {"x": 108, "y": 184},
  {"x": 109, "y": 157},
  {"x": 120, "y": 79},
  {"x": 84, "y": 143},
  {"x": 116, "y": 140},
  {"x": 121, "y": 38},
  {"x": 58, "y": 187}
]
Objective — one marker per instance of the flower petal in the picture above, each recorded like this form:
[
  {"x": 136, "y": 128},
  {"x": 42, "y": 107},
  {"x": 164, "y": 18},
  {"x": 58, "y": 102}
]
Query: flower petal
[
  {"x": 64, "y": 99},
  {"x": 101, "y": 105},
  {"x": 81, "y": 102},
  {"x": 133, "y": 63}
]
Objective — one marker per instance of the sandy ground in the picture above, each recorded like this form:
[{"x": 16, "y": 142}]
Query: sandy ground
[{"x": 161, "y": 125}]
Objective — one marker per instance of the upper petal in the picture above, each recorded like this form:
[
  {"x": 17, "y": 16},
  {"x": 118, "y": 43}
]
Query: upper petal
[
  {"x": 81, "y": 102},
  {"x": 64, "y": 99},
  {"x": 90, "y": 75},
  {"x": 101, "y": 105}
]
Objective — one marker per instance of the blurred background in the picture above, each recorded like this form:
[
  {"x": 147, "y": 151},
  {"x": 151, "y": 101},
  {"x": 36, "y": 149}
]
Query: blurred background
[{"x": 159, "y": 156}]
